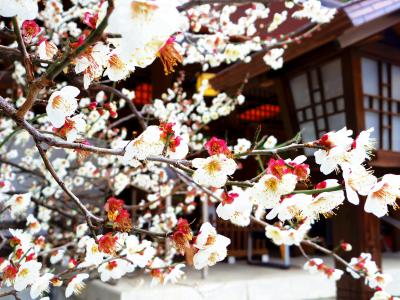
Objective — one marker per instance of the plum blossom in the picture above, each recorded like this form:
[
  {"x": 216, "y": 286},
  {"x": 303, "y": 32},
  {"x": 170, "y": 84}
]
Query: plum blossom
[
  {"x": 28, "y": 273},
  {"x": 116, "y": 68},
  {"x": 362, "y": 147},
  {"x": 337, "y": 144},
  {"x": 114, "y": 269},
  {"x": 324, "y": 203},
  {"x": 382, "y": 295},
  {"x": 29, "y": 30},
  {"x": 270, "y": 142},
  {"x": 91, "y": 63},
  {"x": 76, "y": 285},
  {"x": 213, "y": 171},
  {"x": 46, "y": 49},
  {"x": 269, "y": 189},
  {"x": 19, "y": 203},
  {"x": 362, "y": 264},
  {"x": 275, "y": 234},
  {"x": 174, "y": 274},
  {"x": 139, "y": 253},
  {"x": 383, "y": 193},
  {"x": 41, "y": 285},
  {"x": 274, "y": 58},
  {"x": 62, "y": 104},
  {"x": 33, "y": 224},
  {"x": 357, "y": 180},
  {"x": 289, "y": 207},
  {"x": 211, "y": 247},
  {"x": 277, "y": 20},
  {"x": 24, "y": 9},
  {"x": 146, "y": 144},
  {"x": 93, "y": 256},
  {"x": 236, "y": 207},
  {"x": 242, "y": 146},
  {"x": 148, "y": 32},
  {"x": 378, "y": 280},
  {"x": 73, "y": 127},
  {"x": 316, "y": 265},
  {"x": 313, "y": 10}
]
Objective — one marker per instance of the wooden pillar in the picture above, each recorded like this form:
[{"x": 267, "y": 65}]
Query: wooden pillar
[
  {"x": 160, "y": 81},
  {"x": 352, "y": 224},
  {"x": 287, "y": 112}
]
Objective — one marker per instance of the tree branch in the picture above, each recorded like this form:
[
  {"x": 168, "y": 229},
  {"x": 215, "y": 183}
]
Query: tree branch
[
  {"x": 25, "y": 56},
  {"x": 57, "y": 67},
  {"x": 88, "y": 215}
]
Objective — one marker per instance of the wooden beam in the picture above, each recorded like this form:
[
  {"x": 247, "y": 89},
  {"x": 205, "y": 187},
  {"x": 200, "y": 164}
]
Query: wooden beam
[
  {"x": 356, "y": 34},
  {"x": 235, "y": 74}
]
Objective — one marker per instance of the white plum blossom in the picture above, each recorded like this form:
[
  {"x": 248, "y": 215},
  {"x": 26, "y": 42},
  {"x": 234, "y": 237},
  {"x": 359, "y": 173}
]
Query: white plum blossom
[
  {"x": 313, "y": 10},
  {"x": 41, "y": 285},
  {"x": 139, "y": 253},
  {"x": 174, "y": 274},
  {"x": 242, "y": 146},
  {"x": 57, "y": 256},
  {"x": 237, "y": 210},
  {"x": 275, "y": 234},
  {"x": 115, "y": 269},
  {"x": 211, "y": 247},
  {"x": 277, "y": 20},
  {"x": 274, "y": 58},
  {"x": 213, "y": 171},
  {"x": 324, "y": 203},
  {"x": 73, "y": 127},
  {"x": 362, "y": 264},
  {"x": 33, "y": 224},
  {"x": 46, "y": 50},
  {"x": 62, "y": 104},
  {"x": 357, "y": 180},
  {"x": 146, "y": 144},
  {"x": 28, "y": 273},
  {"x": 270, "y": 142},
  {"x": 24, "y": 9},
  {"x": 268, "y": 190},
  {"x": 91, "y": 63},
  {"x": 378, "y": 280},
  {"x": 289, "y": 207},
  {"x": 94, "y": 256},
  {"x": 362, "y": 147},
  {"x": 76, "y": 285},
  {"x": 383, "y": 193},
  {"x": 145, "y": 26},
  {"x": 338, "y": 143},
  {"x": 316, "y": 265},
  {"x": 19, "y": 203}
]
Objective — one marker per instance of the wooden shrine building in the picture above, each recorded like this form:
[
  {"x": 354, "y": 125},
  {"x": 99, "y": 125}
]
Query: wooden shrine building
[{"x": 346, "y": 74}]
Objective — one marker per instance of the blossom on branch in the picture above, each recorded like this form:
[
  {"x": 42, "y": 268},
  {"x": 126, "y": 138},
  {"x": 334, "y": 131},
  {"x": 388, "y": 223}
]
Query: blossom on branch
[
  {"x": 62, "y": 104},
  {"x": 213, "y": 171}
]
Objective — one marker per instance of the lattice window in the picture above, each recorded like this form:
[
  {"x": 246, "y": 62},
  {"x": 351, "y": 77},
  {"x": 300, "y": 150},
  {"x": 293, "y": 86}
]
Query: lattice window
[
  {"x": 381, "y": 91},
  {"x": 143, "y": 93},
  {"x": 318, "y": 99}
]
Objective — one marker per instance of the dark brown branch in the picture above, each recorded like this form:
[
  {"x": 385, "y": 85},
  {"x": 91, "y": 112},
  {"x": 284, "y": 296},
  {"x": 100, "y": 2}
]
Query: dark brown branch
[
  {"x": 25, "y": 56},
  {"x": 88, "y": 215}
]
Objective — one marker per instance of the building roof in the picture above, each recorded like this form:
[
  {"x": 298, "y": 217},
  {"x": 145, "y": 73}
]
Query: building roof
[{"x": 354, "y": 21}]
